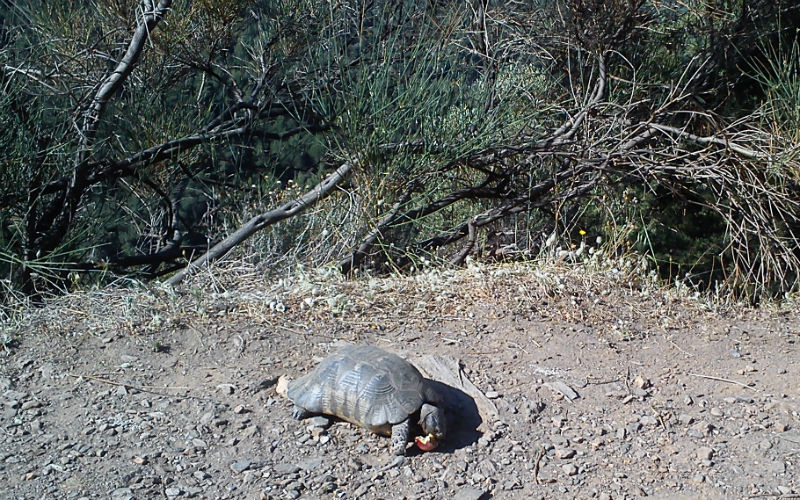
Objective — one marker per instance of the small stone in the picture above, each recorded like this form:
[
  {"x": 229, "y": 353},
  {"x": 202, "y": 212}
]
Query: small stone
[
  {"x": 784, "y": 490},
  {"x": 648, "y": 420},
  {"x": 122, "y": 494},
  {"x": 240, "y": 466},
  {"x": 226, "y": 388},
  {"x": 173, "y": 491},
  {"x": 470, "y": 493},
  {"x": 122, "y": 391},
  {"x": 239, "y": 409},
  {"x": 565, "y": 454},
  {"x": 704, "y": 453},
  {"x": 286, "y": 468},
  {"x": 27, "y": 405},
  {"x": 634, "y": 427},
  {"x": 715, "y": 412},
  {"x": 318, "y": 421},
  {"x": 776, "y": 467},
  {"x": 685, "y": 419},
  {"x": 492, "y": 394},
  {"x": 569, "y": 469},
  {"x": 140, "y": 460},
  {"x": 641, "y": 383},
  {"x": 698, "y": 478},
  {"x": 703, "y": 427},
  {"x": 781, "y": 426}
]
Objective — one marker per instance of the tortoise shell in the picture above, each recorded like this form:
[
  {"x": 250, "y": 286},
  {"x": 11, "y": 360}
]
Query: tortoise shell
[{"x": 364, "y": 385}]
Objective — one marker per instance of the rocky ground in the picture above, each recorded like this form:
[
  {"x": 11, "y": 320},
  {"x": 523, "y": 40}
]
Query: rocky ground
[{"x": 604, "y": 387}]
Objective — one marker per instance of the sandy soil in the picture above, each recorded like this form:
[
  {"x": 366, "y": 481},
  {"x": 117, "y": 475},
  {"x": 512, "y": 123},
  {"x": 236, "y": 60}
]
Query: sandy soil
[{"x": 148, "y": 393}]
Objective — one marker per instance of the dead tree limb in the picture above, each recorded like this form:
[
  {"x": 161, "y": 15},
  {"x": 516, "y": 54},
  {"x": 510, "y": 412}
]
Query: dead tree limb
[
  {"x": 266, "y": 219},
  {"x": 354, "y": 260},
  {"x": 60, "y": 215}
]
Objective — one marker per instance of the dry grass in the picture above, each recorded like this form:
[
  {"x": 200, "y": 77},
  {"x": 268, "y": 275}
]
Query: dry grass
[{"x": 616, "y": 299}]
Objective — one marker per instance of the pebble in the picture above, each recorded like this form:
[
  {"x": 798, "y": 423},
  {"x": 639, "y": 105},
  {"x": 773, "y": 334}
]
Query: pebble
[
  {"x": 226, "y": 388},
  {"x": 648, "y": 420},
  {"x": 27, "y": 405},
  {"x": 634, "y": 427},
  {"x": 286, "y": 468},
  {"x": 703, "y": 427},
  {"x": 565, "y": 453},
  {"x": 470, "y": 493},
  {"x": 569, "y": 469},
  {"x": 704, "y": 453},
  {"x": 240, "y": 466},
  {"x": 122, "y": 494},
  {"x": 641, "y": 383},
  {"x": 173, "y": 491},
  {"x": 492, "y": 394},
  {"x": 318, "y": 421}
]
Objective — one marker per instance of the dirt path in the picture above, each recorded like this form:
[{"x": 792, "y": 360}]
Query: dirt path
[{"x": 148, "y": 394}]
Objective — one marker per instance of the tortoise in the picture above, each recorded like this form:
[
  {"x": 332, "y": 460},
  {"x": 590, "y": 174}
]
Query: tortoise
[{"x": 375, "y": 389}]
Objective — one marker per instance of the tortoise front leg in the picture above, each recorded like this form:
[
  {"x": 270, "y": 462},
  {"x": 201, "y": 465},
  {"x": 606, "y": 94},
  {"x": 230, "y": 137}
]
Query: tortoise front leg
[
  {"x": 299, "y": 413},
  {"x": 400, "y": 437}
]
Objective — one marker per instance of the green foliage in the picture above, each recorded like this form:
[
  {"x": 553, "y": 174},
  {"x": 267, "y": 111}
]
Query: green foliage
[{"x": 432, "y": 100}]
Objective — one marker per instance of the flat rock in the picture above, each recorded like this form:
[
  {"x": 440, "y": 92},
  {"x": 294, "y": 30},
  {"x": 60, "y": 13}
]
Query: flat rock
[
  {"x": 240, "y": 466},
  {"x": 470, "y": 493},
  {"x": 286, "y": 468},
  {"x": 319, "y": 421}
]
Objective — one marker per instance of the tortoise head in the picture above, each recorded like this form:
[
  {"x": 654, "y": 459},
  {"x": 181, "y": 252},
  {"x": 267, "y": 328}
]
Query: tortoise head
[{"x": 433, "y": 424}]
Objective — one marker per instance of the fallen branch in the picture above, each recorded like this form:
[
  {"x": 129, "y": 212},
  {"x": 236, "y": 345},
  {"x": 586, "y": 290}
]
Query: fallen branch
[
  {"x": 266, "y": 219},
  {"x": 724, "y": 380},
  {"x": 143, "y": 388}
]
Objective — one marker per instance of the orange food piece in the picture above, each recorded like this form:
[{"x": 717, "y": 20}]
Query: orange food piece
[{"x": 426, "y": 443}]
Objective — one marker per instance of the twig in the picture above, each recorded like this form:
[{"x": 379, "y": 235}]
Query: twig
[
  {"x": 678, "y": 348},
  {"x": 724, "y": 380},
  {"x": 143, "y": 388},
  {"x": 536, "y": 465}
]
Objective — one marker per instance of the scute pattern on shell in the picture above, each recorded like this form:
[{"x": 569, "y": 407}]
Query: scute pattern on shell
[{"x": 362, "y": 384}]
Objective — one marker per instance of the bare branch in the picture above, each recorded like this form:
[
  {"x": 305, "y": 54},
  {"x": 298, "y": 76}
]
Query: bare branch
[{"x": 266, "y": 219}]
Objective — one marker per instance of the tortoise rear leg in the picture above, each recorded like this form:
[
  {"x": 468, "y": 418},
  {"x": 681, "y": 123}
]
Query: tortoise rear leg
[
  {"x": 299, "y": 413},
  {"x": 400, "y": 437}
]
